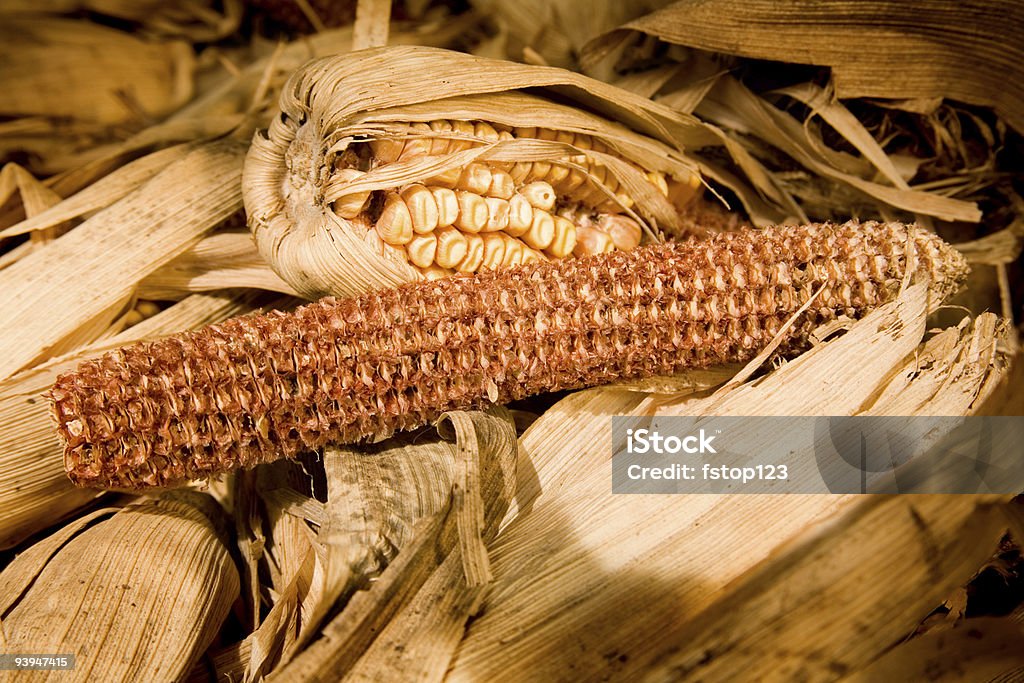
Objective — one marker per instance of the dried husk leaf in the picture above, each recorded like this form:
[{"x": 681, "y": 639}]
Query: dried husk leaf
[
  {"x": 941, "y": 50},
  {"x": 731, "y": 104},
  {"x": 881, "y": 573},
  {"x": 108, "y": 254},
  {"x": 332, "y": 102},
  {"x": 984, "y": 649},
  {"x": 34, "y": 489},
  {"x": 98, "y": 195},
  {"x": 93, "y": 75},
  {"x": 412, "y": 618},
  {"x": 197, "y": 21},
  {"x": 156, "y": 567},
  {"x": 617, "y": 581},
  {"x": 221, "y": 261}
]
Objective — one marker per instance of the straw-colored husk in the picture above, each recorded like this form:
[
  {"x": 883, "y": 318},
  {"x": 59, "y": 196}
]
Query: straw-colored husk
[
  {"x": 940, "y": 50},
  {"x": 137, "y": 596}
]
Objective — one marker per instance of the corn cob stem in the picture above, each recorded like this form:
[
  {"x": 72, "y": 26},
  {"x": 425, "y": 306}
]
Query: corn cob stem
[{"x": 258, "y": 388}]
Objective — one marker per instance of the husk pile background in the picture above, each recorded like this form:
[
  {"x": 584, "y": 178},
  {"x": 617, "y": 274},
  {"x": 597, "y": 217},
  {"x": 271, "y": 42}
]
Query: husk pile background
[{"x": 491, "y": 547}]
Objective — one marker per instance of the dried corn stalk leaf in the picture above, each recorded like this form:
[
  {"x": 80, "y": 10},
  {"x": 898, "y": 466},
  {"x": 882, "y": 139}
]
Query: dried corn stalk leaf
[
  {"x": 109, "y": 253},
  {"x": 34, "y": 490},
  {"x": 941, "y": 50},
  {"x": 984, "y": 649},
  {"x": 881, "y": 573},
  {"x": 639, "y": 562},
  {"x": 157, "y": 567},
  {"x": 419, "y": 606},
  {"x": 312, "y": 183},
  {"x": 89, "y": 73},
  {"x": 221, "y": 261},
  {"x": 98, "y": 195}
]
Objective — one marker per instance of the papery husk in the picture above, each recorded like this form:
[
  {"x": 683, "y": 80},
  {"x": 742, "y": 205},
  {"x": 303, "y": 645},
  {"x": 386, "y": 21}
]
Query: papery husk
[
  {"x": 198, "y": 21},
  {"x": 137, "y": 596},
  {"x": 35, "y": 491},
  {"x": 388, "y": 505},
  {"x": 89, "y": 73},
  {"x": 108, "y": 254},
  {"x": 609, "y": 584},
  {"x": 331, "y": 102},
  {"x": 223, "y": 260},
  {"x": 985, "y": 649},
  {"x": 72, "y": 87},
  {"x": 940, "y": 50}
]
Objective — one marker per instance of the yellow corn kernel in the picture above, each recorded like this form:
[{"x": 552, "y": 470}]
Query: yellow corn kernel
[
  {"x": 447, "y": 204},
  {"x": 591, "y": 241},
  {"x": 451, "y": 247},
  {"x": 542, "y": 230},
  {"x": 422, "y": 208},
  {"x": 502, "y": 185},
  {"x": 497, "y": 214},
  {"x": 434, "y": 272},
  {"x": 422, "y": 250},
  {"x": 494, "y": 250},
  {"x": 540, "y": 195},
  {"x": 513, "y": 255},
  {"x": 395, "y": 223},
  {"x": 387, "y": 150},
  {"x": 520, "y": 216},
  {"x": 532, "y": 256},
  {"x": 474, "y": 255},
  {"x": 625, "y": 232},
  {"x": 350, "y": 205},
  {"x": 419, "y": 144},
  {"x": 448, "y": 179},
  {"x": 565, "y": 238},
  {"x": 473, "y": 212},
  {"x": 482, "y": 129},
  {"x": 658, "y": 180},
  {"x": 475, "y": 178}
]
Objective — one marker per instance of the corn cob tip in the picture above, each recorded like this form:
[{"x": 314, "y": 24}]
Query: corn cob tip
[{"x": 261, "y": 387}]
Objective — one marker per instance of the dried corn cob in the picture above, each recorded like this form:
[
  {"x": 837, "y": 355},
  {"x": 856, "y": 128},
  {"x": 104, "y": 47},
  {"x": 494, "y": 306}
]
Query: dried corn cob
[{"x": 258, "y": 388}]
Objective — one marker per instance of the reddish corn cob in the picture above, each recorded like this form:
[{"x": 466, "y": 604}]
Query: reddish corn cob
[{"x": 257, "y": 388}]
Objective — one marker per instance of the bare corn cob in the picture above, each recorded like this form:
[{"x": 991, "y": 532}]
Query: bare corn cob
[
  {"x": 258, "y": 388},
  {"x": 540, "y": 203}
]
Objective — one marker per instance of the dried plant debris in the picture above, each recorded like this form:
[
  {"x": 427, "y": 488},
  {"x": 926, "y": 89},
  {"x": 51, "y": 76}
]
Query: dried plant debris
[
  {"x": 937, "y": 46},
  {"x": 259, "y": 388},
  {"x": 137, "y": 596}
]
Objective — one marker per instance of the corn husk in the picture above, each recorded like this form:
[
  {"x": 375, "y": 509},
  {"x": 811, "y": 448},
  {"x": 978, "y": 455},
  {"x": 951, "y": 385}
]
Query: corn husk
[
  {"x": 169, "y": 213},
  {"x": 157, "y": 567},
  {"x": 395, "y": 497},
  {"x": 937, "y": 47},
  {"x": 70, "y": 98},
  {"x": 196, "y": 21},
  {"x": 325, "y": 106},
  {"x": 986, "y": 649}
]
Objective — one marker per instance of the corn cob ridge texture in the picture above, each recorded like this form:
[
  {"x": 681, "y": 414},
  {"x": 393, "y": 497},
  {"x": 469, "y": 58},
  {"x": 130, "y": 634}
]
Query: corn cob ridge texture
[{"x": 261, "y": 387}]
